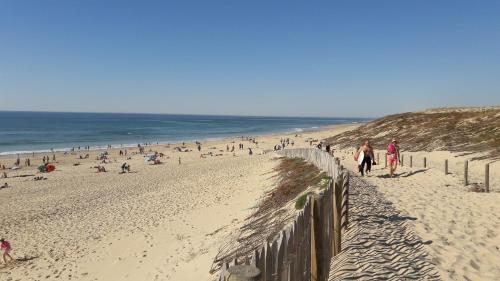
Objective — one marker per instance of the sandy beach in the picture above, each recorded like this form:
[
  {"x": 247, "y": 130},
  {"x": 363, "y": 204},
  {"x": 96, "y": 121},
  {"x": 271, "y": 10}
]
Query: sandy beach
[
  {"x": 159, "y": 222},
  {"x": 167, "y": 221}
]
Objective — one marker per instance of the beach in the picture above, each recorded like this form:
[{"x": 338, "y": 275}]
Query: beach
[
  {"x": 158, "y": 222},
  {"x": 167, "y": 221}
]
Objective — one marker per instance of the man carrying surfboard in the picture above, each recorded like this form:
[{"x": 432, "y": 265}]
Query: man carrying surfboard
[{"x": 365, "y": 155}]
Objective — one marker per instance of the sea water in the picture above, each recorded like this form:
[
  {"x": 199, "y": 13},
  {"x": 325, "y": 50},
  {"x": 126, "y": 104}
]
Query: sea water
[{"x": 23, "y": 132}]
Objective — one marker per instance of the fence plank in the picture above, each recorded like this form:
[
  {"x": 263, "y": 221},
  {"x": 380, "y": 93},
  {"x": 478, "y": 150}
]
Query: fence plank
[
  {"x": 282, "y": 258},
  {"x": 261, "y": 264},
  {"x": 274, "y": 260},
  {"x": 269, "y": 263},
  {"x": 487, "y": 177},
  {"x": 466, "y": 172},
  {"x": 337, "y": 215}
]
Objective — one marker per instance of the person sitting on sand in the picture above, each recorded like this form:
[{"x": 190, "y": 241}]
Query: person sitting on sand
[
  {"x": 5, "y": 247},
  {"x": 368, "y": 157},
  {"x": 101, "y": 169},
  {"x": 125, "y": 167},
  {"x": 392, "y": 156},
  {"x": 5, "y": 185}
]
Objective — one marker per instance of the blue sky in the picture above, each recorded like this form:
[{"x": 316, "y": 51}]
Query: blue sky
[{"x": 293, "y": 58}]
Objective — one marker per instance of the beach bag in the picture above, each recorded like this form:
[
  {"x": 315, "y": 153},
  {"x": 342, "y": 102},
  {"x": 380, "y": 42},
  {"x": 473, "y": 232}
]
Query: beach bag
[{"x": 50, "y": 168}]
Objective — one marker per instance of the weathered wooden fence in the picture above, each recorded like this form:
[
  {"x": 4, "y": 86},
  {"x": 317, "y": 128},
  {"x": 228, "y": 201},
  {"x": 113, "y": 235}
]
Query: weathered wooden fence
[{"x": 304, "y": 249}]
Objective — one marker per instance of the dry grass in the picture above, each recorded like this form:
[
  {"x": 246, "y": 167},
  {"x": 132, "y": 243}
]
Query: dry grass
[
  {"x": 276, "y": 209},
  {"x": 471, "y": 130}
]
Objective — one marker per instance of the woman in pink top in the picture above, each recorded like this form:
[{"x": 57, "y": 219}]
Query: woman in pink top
[
  {"x": 393, "y": 156},
  {"x": 5, "y": 247}
]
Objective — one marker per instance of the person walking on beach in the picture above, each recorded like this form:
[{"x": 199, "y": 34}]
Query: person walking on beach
[
  {"x": 5, "y": 247},
  {"x": 365, "y": 156},
  {"x": 392, "y": 156}
]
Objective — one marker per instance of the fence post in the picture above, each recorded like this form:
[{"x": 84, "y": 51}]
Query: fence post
[
  {"x": 402, "y": 160},
  {"x": 425, "y": 162},
  {"x": 446, "y": 166},
  {"x": 337, "y": 214},
  {"x": 314, "y": 262},
  {"x": 466, "y": 172},
  {"x": 487, "y": 177},
  {"x": 411, "y": 161}
]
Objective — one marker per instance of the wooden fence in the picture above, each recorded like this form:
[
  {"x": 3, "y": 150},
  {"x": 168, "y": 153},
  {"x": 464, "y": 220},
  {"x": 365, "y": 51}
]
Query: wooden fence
[{"x": 304, "y": 249}]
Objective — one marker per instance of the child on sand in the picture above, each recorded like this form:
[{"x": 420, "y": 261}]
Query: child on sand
[{"x": 5, "y": 247}]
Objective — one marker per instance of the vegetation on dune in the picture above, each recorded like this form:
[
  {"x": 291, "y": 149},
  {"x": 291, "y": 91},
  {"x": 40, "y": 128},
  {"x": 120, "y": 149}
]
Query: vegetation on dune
[
  {"x": 277, "y": 208},
  {"x": 471, "y": 130}
]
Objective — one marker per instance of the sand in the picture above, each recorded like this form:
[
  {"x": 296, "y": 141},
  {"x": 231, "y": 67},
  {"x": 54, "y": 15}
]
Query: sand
[
  {"x": 461, "y": 227},
  {"x": 166, "y": 222},
  {"x": 160, "y": 222}
]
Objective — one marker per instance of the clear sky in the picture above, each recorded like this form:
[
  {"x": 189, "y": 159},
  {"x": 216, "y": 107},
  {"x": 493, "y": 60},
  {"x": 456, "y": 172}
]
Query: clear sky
[{"x": 295, "y": 58}]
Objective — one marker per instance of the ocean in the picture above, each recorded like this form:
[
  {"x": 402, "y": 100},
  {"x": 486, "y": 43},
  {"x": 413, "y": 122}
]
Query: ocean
[{"x": 23, "y": 132}]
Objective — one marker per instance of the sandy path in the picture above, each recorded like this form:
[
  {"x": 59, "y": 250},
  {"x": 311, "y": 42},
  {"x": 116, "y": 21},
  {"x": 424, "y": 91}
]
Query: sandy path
[
  {"x": 464, "y": 226},
  {"x": 380, "y": 244}
]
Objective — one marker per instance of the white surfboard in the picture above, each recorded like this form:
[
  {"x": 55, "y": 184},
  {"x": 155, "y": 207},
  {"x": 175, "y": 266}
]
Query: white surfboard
[{"x": 361, "y": 157}]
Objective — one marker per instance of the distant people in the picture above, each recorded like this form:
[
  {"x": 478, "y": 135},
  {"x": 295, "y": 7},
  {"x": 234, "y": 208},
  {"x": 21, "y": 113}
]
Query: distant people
[
  {"x": 392, "y": 156},
  {"x": 365, "y": 156},
  {"x": 125, "y": 168},
  {"x": 6, "y": 185},
  {"x": 328, "y": 148},
  {"x": 4, "y": 175},
  {"x": 250, "y": 152},
  {"x": 5, "y": 247},
  {"x": 199, "y": 147},
  {"x": 179, "y": 160},
  {"x": 101, "y": 169}
]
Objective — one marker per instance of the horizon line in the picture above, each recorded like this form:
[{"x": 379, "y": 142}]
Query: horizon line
[{"x": 185, "y": 114}]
